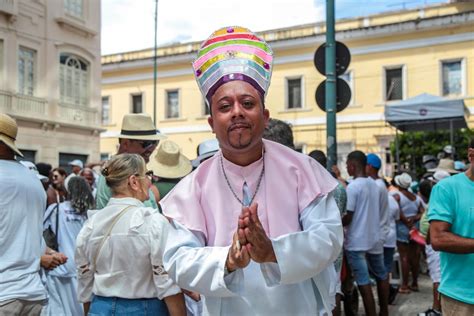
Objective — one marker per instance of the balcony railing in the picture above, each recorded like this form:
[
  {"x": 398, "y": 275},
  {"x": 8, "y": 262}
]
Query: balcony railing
[
  {"x": 9, "y": 7},
  {"x": 23, "y": 105},
  {"x": 38, "y": 109}
]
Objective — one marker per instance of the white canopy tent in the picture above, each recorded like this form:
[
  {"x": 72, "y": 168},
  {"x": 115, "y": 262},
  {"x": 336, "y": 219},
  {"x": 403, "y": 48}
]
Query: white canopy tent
[{"x": 426, "y": 112}]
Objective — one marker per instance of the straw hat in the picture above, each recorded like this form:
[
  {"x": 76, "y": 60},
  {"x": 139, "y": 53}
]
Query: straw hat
[
  {"x": 139, "y": 126},
  {"x": 8, "y": 132},
  {"x": 446, "y": 165},
  {"x": 169, "y": 162}
]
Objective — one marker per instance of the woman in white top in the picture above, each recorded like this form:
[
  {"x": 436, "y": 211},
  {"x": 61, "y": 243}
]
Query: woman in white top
[
  {"x": 120, "y": 248},
  {"x": 411, "y": 209},
  {"x": 67, "y": 219}
]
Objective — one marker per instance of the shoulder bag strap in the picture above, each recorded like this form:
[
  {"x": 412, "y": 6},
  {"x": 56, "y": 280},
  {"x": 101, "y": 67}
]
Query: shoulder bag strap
[
  {"x": 57, "y": 222},
  {"x": 108, "y": 232}
]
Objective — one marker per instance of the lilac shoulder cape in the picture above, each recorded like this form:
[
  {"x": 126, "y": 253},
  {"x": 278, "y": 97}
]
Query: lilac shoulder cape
[{"x": 203, "y": 202}]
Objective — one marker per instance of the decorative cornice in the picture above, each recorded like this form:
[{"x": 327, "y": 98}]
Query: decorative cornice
[{"x": 307, "y": 57}]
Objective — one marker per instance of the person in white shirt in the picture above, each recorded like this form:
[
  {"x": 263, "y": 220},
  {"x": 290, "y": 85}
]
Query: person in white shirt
[
  {"x": 364, "y": 234},
  {"x": 387, "y": 220},
  {"x": 120, "y": 248},
  {"x": 22, "y": 202},
  {"x": 76, "y": 167},
  {"x": 67, "y": 219}
]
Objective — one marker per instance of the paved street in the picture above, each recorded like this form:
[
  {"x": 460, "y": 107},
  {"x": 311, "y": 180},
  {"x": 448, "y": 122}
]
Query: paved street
[{"x": 409, "y": 304}]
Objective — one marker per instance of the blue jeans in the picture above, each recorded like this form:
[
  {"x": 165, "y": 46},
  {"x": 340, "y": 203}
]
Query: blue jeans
[
  {"x": 388, "y": 258},
  {"x": 360, "y": 263},
  {"x": 116, "y": 306}
]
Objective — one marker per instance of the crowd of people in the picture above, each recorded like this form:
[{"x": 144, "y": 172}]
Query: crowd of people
[{"x": 250, "y": 227}]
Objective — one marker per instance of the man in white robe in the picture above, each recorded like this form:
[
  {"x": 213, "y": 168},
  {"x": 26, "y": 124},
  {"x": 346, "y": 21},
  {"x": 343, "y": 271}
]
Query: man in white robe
[{"x": 256, "y": 226}]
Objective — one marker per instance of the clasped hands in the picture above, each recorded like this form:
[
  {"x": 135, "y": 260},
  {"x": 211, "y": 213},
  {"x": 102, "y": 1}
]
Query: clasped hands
[{"x": 250, "y": 241}]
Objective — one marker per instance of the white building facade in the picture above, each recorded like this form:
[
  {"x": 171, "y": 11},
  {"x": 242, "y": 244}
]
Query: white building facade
[{"x": 50, "y": 73}]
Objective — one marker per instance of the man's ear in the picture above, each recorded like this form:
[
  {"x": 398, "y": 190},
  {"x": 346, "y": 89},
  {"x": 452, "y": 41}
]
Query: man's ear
[
  {"x": 266, "y": 116},
  {"x": 210, "y": 121}
]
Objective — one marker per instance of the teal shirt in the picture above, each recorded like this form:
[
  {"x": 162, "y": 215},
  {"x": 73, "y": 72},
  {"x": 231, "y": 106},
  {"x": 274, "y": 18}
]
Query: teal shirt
[
  {"x": 452, "y": 201},
  {"x": 104, "y": 194}
]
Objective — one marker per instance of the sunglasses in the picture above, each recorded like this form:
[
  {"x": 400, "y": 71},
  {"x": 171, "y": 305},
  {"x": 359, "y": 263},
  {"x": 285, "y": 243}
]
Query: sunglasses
[
  {"x": 149, "y": 174},
  {"x": 55, "y": 176},
  {"x": 147, "y": 143}
]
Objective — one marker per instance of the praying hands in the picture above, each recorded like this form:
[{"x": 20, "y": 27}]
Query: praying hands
[{"x": 250, "y": 241}]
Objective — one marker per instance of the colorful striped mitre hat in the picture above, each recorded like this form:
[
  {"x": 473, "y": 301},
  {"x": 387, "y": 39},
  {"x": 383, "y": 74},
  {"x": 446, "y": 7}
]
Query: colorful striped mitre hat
[{"x": 233, "y": 53}]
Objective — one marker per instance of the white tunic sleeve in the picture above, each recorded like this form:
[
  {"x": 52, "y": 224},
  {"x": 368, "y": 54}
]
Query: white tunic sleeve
[
  {"x": 165, "y": 286},
  {"x": 85, "y": 275},
  {"x": 302, "y": 255},
  {"x": 196, "y": 267}
]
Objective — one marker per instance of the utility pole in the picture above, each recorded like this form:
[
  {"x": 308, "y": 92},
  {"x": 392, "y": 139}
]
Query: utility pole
[
  {"x": 331, "y": 93},
  {"x": 154, "y": 63}
]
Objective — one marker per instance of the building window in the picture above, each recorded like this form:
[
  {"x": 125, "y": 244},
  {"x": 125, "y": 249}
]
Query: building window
[
  {"x": 452, "y": 77},
  {"x": 295, "y": 91},
  {"x": 205, "y": 108},
  {"x": 394, "y": 84},
  {"x": 73, "y": 80},
  {"x": 28, "y": 155},
  {"x": 105, "y": 111},
  {"x": 348, "y": 77},
  {"x": 26, "y": 71},
  {"x": 74, "y": 8},
  {"x": 137, "y": 103},
  {"x": 172, "y": 104}
]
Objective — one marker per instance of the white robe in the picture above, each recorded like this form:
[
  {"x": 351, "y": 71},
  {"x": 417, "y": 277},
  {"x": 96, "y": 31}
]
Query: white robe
[{"x": 301, "y": 283}]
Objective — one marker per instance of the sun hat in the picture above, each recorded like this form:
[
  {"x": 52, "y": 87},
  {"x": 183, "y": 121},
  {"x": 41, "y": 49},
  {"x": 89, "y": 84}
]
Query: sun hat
[
  {"x": 403, "y": 180},
  {"x": 139, "y": 126},
  {"x": 76, "y": 162},
  {"x": 32, "y": 167},
  {"x": 439, "y": 175},
  {"x": 169, "y": 162},
  {"x": 8, "y": 132},
  {"x": 446, "y": 165},
  {"x": 205, "y": 150},
  {"x": 233, "y": 53},
  {"x": 374, "y": 161}
]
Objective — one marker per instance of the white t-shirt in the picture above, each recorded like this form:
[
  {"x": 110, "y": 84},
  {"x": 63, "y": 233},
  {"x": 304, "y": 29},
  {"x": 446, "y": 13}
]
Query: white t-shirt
[
  {"x": 22, "y": 203},
  {"x": 394, "y": 215},
  {"x": 364, "y": 200},
  {"x": 384, "y": 216}
]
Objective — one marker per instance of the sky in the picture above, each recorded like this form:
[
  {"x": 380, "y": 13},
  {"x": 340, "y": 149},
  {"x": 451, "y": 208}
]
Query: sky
[{"x": 128, "y": 25}]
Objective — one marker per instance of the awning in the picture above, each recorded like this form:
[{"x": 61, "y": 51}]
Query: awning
[{"x": 427, "y": 112}]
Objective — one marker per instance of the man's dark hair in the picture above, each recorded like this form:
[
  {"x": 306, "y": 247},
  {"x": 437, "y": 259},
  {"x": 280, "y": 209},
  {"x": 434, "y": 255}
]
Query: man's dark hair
[
  {"x": 425, "y": 188},
  {"x": 280, "y": 132},
  {"x": 44, "y": 169},
  {"x": 319, "y": 156},
  {"x": 358, "y": 158}
]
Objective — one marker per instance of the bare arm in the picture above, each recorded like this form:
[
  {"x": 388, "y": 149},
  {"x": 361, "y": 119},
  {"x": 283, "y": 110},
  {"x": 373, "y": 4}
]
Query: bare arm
[
  {"x": 347, "y": 218},
  {"x": 442, "y": 239},
  {"x": 86, "y": 308},
  {"x": 175, "y": 304}
]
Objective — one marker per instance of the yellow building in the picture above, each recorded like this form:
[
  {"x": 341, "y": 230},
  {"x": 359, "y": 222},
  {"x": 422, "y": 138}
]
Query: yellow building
[{"x": 395, "y": 56}]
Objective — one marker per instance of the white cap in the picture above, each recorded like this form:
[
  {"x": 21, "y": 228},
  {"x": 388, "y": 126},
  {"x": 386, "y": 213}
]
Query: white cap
[
  {"x": 76, "y": 162},
  {"x": 439, "y": 175}
]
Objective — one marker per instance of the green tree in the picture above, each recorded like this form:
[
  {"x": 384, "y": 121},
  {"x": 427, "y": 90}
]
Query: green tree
[{"x": 413, "y": 145}]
